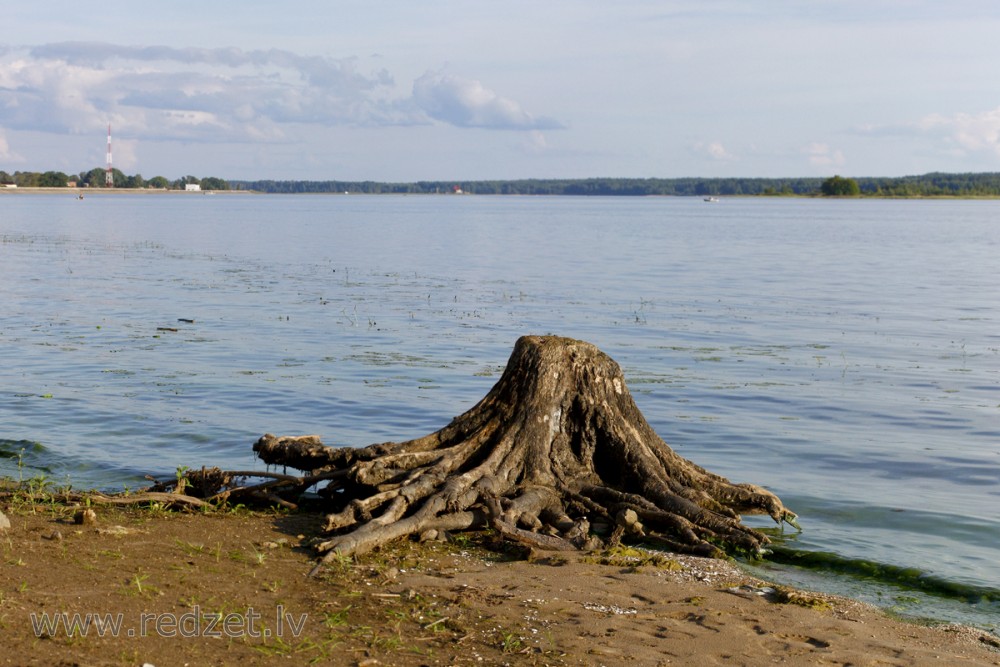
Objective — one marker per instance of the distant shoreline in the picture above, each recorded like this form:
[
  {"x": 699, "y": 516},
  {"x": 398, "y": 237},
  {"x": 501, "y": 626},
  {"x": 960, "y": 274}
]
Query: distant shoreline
[
  {"x": 100, "y": 192},
  {"x": 934, "y": 185},
  {"x": 76, "y": 192}
]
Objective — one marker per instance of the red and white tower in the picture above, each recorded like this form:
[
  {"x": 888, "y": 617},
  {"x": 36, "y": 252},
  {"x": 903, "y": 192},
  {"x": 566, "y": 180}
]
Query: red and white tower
[{"x": 109, "y": 176}]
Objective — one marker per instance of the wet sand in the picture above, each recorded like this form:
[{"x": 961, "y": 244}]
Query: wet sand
[{"x": 166, "y": 575}]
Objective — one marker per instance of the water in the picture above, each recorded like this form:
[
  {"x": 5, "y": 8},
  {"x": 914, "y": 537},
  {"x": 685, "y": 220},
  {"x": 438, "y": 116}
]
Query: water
[{"x": 845, "y": 354}]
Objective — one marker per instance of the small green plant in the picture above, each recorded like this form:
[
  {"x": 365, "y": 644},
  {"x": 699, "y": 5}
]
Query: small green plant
[
  {"x": 337, "y": 618},
  {"x": 138, "y": 586},
  {"x": 190, "y": 548},
  {"x": 258, "y": 556},
  {"x": 384, "y": 643},
  {"x": 509, "y": 642},
  {"x": 32, "y": 491},
  {"x": 341, "y": 562},
  {"x": 461, "y": 540},
  {"x": 276, "y": 646},
  {"x": 181, "y": 479},
  {"x": 440, "y": 625},
  {"x": 397, "y": 614},
  {"x": 156, "y": 508},
  {"x": 130, "y": 658},
  {"x": 137, "y": 581},
  {"x": 238, "y": 508}
]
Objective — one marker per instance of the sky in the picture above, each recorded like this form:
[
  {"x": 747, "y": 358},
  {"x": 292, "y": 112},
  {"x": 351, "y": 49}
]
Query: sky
[{"x": 399, "y": 90}]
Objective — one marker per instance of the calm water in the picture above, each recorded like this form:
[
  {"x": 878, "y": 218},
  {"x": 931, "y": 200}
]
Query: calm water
[{"x": 845, "y": 354}]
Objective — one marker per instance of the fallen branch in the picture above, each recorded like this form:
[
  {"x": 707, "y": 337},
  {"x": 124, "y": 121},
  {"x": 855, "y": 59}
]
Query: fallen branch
[{"x": 167, "y": 499}]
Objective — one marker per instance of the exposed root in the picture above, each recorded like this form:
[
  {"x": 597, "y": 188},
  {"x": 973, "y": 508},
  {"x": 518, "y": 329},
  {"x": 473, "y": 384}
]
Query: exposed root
[{"x": 555, "y": 454}]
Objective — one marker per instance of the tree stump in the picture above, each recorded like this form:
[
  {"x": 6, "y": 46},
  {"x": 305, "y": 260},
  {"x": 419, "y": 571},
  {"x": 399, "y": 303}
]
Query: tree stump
[{"x": 556, "y": 452}]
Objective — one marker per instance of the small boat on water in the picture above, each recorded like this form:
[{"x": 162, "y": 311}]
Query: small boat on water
[{"x": 711, "y": 199}]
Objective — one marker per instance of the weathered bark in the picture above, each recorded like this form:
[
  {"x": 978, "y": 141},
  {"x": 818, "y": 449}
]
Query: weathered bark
[{"x": 555, "y": 448}]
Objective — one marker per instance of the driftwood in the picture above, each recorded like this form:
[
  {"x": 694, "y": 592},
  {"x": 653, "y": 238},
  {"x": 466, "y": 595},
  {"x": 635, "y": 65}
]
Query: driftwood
[
  {"x": 556, "y": 455},
  {"x": 179, "y": 500}
]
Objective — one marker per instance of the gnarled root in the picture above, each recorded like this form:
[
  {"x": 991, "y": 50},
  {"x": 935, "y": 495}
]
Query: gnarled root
[{"x": 555, "y": 451}]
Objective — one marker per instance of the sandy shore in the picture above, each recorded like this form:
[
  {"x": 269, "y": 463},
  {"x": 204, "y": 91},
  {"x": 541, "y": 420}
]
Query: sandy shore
[{"x": 230, "y": 588}]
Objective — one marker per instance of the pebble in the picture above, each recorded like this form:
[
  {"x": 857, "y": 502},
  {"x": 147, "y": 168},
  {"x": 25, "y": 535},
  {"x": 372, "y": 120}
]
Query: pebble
[
  {"x": 85, "y": 517},
  {"x": 4, "y": 522},
  {"x": 747, "y": 591},
  {"x": 280, "y": 542}
]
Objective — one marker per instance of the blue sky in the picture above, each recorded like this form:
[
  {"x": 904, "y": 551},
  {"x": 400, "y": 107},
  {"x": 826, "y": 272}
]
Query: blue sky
[{"x": 445, "y": 90}]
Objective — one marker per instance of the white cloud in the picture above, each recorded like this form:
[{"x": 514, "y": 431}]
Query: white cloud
[
  {"x": 125, "y": 153},
  {"x": 971, "y": 132},
  {"x": 6, "y": 153},
  {"x": 958, "y": 134},
  {"x": 821, "y": 155},
  {"x": 227, "y": 94},
  {"x": 714, "y": 150},
  {"x": 536, "y": 142},
  {"x": 468, "y": 103}
]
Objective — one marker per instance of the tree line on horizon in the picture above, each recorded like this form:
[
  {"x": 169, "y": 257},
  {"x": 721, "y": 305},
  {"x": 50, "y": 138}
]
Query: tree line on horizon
[
  {"x": 934, "y": 184},
  {"x": 97, "y": 178}
]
